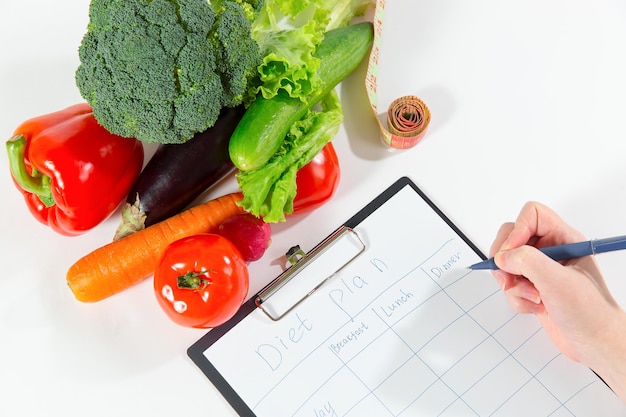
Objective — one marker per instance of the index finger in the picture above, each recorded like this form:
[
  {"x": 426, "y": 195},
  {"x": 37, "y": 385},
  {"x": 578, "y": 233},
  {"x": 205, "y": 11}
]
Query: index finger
[{"x": 538, "y": 222}]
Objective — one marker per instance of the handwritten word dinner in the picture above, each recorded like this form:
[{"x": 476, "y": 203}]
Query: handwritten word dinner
[{"x": 452, "y": 262}]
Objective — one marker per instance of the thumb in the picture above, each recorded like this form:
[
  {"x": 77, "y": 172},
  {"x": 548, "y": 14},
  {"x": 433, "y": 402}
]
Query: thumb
[{"x": 527, "y": 261}]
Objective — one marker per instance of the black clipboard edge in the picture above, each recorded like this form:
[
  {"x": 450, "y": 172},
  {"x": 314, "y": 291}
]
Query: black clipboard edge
[
  {"x": 404, "y": 181},
  {"x": 196, "y": 351},
  {"x": 196, "y": 354}
]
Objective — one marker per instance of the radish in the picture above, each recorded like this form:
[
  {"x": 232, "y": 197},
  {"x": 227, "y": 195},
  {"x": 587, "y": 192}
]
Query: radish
[{"x": 250, "y": 234}]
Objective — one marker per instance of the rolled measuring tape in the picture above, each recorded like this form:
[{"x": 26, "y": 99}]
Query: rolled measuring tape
[{"x": 407, "y": 117}]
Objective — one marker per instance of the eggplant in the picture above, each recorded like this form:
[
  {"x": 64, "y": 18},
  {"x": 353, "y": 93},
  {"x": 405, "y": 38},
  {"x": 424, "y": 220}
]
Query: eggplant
[{"x": 178, "y": 173}]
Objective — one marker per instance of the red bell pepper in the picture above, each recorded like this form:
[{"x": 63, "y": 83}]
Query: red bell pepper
[
  {"x": 72, "y": 172},
  {"x": 317, "y": 181}
]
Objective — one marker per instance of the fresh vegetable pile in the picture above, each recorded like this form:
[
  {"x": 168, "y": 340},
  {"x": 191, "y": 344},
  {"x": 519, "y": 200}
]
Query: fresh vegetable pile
[
  {"x": 222, "y": 86},
  {"x": 163, "y": 70}
]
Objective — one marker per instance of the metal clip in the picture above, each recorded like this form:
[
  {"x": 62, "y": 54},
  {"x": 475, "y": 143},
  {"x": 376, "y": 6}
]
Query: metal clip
[{"x": 313, "y": 270}]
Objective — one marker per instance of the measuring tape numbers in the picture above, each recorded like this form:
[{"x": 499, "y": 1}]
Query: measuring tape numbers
[{"x": 408, "y": 116}]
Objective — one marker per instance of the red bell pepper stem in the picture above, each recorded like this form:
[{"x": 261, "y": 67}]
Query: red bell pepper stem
[{"x": 34, "y": 182}]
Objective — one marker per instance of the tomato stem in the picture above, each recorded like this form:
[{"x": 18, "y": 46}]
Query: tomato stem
[{"x": 193, "y": 280}]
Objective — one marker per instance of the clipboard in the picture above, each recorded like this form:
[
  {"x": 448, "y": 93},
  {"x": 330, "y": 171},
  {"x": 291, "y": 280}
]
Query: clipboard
[{"x": 392, "y": 322}]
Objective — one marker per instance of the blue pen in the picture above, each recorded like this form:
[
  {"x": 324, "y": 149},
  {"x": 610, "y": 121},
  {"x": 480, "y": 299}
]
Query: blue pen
[{"x": 570, "y": 250}]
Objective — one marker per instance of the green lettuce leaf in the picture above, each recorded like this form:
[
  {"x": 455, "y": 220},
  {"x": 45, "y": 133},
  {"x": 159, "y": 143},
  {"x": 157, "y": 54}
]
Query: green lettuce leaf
[
  {"x": 288, "y": 33},
  {"x": 288, "y": 61},
  {"x": 329, "y": 14}
]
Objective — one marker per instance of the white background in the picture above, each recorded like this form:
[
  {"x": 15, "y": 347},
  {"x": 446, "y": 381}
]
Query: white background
[{"x": 527, "y": 104}]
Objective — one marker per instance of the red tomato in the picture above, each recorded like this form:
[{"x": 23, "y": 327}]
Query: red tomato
[
  {"x": 317, "y": 181},
  {"x": 201, "y": 281}
]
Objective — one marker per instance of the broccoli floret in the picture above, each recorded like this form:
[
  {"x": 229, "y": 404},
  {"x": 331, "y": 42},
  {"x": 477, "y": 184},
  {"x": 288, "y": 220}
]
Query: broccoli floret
[
  {"x": 162, "y": 70},
  {"x": 251, "y": 8},
  {"x": 234, "y": 46}
]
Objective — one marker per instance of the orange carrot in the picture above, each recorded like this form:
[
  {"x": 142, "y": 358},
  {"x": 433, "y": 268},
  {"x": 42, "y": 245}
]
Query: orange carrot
[{"x": 127, "y": 261}]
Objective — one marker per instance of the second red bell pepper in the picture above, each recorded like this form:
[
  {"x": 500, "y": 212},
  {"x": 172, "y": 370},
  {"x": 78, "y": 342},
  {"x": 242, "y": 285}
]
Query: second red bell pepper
[
  {"x": 317, "y": 181},
  {"x": 72, "y": 172}
]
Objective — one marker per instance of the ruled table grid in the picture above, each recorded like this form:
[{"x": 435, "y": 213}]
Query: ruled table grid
[{"x": 448, "y": 366}]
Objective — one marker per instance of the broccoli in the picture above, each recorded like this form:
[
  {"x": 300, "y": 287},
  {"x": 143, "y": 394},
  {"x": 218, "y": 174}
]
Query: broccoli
[{"x": 161, "y": 70}]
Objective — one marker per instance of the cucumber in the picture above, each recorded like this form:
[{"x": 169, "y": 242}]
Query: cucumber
[{"x": 265, "y": 123}]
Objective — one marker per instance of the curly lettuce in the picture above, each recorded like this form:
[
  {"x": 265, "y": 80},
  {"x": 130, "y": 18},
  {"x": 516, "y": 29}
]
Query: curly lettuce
[{"x": 288, "y": 32}]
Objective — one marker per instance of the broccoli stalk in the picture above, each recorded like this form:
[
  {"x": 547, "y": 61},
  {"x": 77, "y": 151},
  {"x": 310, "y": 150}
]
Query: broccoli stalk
[{"x": 161, "y": 70}]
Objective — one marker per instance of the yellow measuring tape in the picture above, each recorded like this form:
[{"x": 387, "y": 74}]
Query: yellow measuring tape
[{"x": 407, "y": 117}]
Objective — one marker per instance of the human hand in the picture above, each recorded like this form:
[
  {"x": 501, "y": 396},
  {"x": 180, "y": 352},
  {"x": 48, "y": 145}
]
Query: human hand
[{"x": 570, "y": 298}]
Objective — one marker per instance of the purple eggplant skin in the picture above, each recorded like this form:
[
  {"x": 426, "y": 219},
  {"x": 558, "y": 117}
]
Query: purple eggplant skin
[{"x": 178, "y": 173}]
